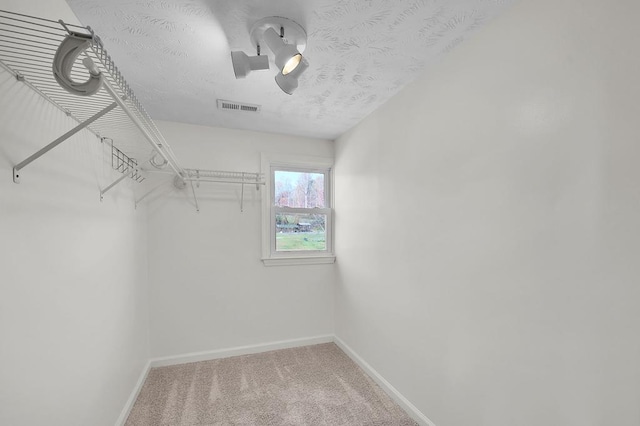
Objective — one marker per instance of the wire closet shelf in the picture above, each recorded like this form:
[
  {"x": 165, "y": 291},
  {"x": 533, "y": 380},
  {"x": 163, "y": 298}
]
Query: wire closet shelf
[{"x": 28, "y": 47}]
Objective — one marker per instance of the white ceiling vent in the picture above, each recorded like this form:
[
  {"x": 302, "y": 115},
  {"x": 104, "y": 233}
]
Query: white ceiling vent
[{"x": 237, "y": 106}]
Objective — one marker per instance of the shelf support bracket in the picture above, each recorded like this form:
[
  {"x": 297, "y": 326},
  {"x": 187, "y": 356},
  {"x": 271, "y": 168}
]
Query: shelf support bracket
[
  {"x": 194, "y": 196},
  {"x": 242, "y": 195},
  {"x": 117, "y": 181},
  {"x": 40, "y": 153}
]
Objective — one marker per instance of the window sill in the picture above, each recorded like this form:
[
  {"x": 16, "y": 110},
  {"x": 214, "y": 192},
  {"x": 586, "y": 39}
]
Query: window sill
[{"x": 290, "y": 261}]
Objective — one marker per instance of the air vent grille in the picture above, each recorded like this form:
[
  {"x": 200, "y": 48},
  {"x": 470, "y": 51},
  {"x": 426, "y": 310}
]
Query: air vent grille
[{"x": 237, "y": 106}]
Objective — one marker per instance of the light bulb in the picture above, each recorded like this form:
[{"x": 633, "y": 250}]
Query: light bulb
[{"x": 291, "y": 64}]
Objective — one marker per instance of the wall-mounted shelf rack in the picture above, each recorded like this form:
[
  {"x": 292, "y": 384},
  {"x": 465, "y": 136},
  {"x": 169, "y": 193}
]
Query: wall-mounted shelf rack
[
  {"x": 197, "y": 176},
  {"x": 28, "y": 48},
  {"x": 217, "y": 176},
  {"x": 193, "y": 177},
  {"x": 244, "y": 178}
]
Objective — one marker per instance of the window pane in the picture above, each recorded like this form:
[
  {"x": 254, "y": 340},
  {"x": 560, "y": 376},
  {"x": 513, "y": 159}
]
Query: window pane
[
  {"x": 301, "y": 232},
  {"x": 299, "y": 189}
]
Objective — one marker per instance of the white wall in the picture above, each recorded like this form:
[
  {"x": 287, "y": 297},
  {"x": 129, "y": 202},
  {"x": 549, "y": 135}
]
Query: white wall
[
  {"x": 209, "y": 288},
  {"x": 73, "y": 273},
  {"x": 487, "y": 224}
]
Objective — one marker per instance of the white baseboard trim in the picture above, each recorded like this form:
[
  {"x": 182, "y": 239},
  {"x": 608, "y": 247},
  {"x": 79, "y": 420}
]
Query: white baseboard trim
[
  {"x": 134, "y": 395},
  {"x": 386, "y": 386},
  {"x": 239, "y": 350}
]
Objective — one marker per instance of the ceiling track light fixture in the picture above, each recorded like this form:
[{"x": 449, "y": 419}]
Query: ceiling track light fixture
[{"x": 287, "y": 40}]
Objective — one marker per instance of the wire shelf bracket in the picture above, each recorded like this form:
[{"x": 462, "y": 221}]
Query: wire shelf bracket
[
  {"x": 41, "y": 152},
  {"x": 195, "y": 199},
  {"x": 117, "y": 181}
]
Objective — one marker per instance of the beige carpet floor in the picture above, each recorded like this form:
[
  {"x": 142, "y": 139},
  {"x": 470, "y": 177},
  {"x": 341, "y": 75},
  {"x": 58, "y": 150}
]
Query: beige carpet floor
[{"x": 311, "y": 385}]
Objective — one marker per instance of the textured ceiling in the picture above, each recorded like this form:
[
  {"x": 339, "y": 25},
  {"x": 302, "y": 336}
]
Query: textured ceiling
[{"x": 176, "y": 55}]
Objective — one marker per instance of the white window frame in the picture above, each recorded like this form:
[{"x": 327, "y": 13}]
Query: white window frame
[{"x": 271, "y": 162}]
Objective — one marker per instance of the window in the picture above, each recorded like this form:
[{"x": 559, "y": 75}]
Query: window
[{"x": 297, "y": 211}]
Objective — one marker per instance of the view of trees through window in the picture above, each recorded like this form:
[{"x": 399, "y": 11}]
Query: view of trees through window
[
  {"x": 297, "y": 230},
  {"x": 299, "y": 189}
]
